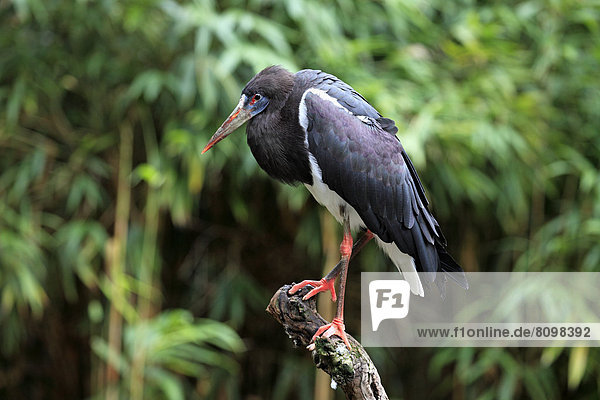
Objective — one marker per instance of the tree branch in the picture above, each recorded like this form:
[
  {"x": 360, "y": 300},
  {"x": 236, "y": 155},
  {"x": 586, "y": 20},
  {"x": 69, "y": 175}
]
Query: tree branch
[{"x": 352, "y": 370}]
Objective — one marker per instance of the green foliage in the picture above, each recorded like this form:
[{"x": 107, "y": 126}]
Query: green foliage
[
  {"x": 111, "y": 222},
  {"x": 173, "y": 346}
]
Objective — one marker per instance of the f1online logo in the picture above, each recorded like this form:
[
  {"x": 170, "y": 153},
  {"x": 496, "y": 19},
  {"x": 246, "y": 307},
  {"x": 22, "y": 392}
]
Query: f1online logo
[{"x": 389, "y": 300}]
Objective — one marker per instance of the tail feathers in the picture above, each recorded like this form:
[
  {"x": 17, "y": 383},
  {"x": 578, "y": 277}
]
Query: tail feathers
[{"x": 451, "y": 268}]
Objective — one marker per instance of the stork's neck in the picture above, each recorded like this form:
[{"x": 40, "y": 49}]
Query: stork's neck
[{"x": 277, "y": 141}]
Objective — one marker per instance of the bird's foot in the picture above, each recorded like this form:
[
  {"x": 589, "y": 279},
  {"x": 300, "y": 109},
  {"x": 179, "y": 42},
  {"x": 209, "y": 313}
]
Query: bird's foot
[
  {"x": 319, "y": 286},
  {"x": 336, "y": 327}
]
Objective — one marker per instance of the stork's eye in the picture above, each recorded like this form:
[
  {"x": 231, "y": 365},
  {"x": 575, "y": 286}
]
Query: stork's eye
[{"x": 255, "y": 98}]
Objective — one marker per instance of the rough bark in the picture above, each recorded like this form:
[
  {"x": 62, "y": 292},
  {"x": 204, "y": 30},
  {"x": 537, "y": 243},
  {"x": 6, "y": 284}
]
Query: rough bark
[{"x": 352, "y": 370}]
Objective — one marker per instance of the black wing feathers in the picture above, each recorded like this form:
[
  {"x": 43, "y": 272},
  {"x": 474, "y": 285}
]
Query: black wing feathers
[
  {"x": 387, "y": 125},
  {"x": 344, "y": 93},
  {"x": 369, "y": 169}
]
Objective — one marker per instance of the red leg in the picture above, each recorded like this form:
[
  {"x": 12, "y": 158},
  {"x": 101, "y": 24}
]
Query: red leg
[
  {"x": 327, "y": 283},
  {"x": 336, "y": 327}
]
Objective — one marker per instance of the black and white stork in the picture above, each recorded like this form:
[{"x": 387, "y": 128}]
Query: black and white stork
[{"x": 311, "y": 127}]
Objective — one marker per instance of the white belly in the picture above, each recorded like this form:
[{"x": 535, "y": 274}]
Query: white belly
[{"x": 335, "y": 204}]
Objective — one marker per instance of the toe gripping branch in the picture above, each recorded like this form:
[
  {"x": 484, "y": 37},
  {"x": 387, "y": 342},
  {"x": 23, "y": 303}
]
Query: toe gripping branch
[
  {"x": 336, "y": 327},
  {"x": 322, "y": 285},
  {"x": 353, "y": 371},
  {"x": 347, "y": 249}
]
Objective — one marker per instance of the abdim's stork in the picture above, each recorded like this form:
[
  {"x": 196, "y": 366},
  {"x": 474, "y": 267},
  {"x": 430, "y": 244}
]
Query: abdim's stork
[{"x": 311, "y": 127}]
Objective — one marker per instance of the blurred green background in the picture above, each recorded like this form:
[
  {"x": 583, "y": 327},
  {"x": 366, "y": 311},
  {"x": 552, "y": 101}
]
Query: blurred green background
[{"x": 131, "y": 267}]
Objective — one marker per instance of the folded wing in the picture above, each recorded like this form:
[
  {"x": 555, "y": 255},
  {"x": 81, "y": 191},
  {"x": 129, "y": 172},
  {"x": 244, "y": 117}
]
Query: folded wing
[{"x": 367, "y": 167}]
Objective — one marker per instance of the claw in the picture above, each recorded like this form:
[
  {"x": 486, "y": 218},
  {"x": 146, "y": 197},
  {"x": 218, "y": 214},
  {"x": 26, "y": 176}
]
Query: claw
[
  {"x": 336, "y": 327},
  {"x": 319, "y": 286}
]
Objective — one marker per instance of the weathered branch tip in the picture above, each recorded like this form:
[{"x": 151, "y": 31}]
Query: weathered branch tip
[{"x": 352, "y": 370}]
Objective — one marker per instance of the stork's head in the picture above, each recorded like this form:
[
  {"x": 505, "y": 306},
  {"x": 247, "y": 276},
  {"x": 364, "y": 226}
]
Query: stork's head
[{"x": 266, "y": 92}]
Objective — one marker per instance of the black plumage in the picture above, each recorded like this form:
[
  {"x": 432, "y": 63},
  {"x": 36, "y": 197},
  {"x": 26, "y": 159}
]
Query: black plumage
[{"x": 312, "y": 114}]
